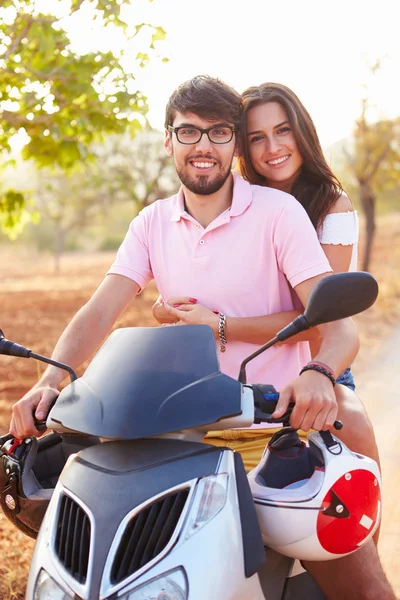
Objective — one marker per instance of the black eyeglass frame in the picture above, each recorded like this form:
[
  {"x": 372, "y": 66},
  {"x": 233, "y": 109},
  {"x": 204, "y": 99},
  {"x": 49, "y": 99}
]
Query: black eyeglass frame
[{"x": 176, "y": 130}]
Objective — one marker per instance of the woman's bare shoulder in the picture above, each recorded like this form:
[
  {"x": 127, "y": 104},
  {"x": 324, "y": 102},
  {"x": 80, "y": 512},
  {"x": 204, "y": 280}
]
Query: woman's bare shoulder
[{"x": 342, "y": 205}]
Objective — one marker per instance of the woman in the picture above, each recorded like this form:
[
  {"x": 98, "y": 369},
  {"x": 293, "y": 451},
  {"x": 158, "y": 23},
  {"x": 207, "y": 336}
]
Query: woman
[{"x": 280, "y": 149}]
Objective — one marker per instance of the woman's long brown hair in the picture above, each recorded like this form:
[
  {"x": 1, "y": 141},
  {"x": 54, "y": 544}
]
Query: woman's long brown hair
[{"x": 316, "y": 187}]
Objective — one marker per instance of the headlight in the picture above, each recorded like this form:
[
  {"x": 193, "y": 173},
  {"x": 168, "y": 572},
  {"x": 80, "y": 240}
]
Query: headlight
[
  {"x": 168, "y": 586},
  {"x": 47, "y": 589},
  {"x": 209, "y": 500}
]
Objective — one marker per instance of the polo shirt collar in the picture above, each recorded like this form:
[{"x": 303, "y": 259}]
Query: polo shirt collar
[
  {"x": 242, "y": 198},
  {"x": 178, "y": 207},
  {"x": 242, "y": 195}
]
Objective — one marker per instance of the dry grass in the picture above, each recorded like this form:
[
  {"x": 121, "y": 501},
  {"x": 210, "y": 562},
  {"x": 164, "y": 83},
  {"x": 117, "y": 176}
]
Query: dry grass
[
  {"x": 16, "y": 550},
  {"x": 36, "y": 306},
  {"x": 376, "y": 324}
]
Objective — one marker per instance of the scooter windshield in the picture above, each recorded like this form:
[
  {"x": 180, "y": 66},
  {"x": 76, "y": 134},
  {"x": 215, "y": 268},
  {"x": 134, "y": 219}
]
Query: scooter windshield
[{"x": 148, "y": 381}]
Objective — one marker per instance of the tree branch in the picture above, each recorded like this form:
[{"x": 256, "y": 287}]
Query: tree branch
[
  {"x": 40, "y": 76},
  {"x": 17, "y": 120},
  {"x": 16, "y": 42},
  {"x": 378, "y": 161}
]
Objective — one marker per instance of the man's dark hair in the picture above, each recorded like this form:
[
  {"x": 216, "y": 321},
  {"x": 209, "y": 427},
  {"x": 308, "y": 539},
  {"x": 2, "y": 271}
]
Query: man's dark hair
[{"x": 207, "y": 97}]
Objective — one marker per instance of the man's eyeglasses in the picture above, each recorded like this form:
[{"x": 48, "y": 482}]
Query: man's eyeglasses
[{"x": 219, "y": 134}]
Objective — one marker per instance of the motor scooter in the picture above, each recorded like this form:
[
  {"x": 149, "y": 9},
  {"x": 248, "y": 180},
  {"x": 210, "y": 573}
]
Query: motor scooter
[{"x": 130, "y": 501}]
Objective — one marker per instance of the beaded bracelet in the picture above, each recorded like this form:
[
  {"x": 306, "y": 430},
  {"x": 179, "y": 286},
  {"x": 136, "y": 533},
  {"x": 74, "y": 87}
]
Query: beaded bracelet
[
  {"x": 221, "y": 332},
  {"x": 319, "y": 369},
  {"x": 323, "y": 365}
]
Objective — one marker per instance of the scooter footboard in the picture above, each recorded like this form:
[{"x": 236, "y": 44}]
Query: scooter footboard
[
  {"x": 302, "y": 587},
  {"x": 283, "y": 578},
  {"x": 253, "y": 547}
]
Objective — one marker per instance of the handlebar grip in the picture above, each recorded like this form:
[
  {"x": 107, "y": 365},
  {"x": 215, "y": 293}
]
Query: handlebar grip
[
  {"x": 40, "y": 425},
  {"x": 265, "y": 401}
]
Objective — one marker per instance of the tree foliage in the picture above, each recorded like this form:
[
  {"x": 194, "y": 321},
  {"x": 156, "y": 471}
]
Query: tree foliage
[
  {"x": 62, "y": 100},
  {"x": 67, "y": 205}
]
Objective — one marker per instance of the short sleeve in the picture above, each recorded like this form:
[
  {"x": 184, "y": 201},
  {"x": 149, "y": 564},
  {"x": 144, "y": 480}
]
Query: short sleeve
[
  {"x": 133, "y": 259},
  {"x": 340, "y": 229},
  {"x": 299, "y": 253}
]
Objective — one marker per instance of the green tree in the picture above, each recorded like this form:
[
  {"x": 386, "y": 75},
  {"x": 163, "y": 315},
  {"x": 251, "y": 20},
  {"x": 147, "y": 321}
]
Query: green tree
[
  {"x": 62, "y": 100},
  {"x": 66, "y": 206},
  {"x": 375, "y": 164},
  {"x": 374, "y": 160}
]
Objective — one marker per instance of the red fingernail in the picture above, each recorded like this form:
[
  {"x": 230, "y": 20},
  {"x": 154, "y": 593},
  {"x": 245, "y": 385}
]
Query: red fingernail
[
  {"x": 192, "y": 300},
  {"x": 215, "y": 312},
  {"x": 176, "y": 305}
]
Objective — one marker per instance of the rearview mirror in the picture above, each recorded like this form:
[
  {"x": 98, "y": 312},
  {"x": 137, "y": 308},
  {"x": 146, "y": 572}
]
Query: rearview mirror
[
  {"x": 334, "y": 297},
  {"x": 339, "y": 296}
]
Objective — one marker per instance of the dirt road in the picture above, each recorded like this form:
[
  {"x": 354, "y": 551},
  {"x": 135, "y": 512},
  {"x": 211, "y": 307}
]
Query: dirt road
[{"x": 379, "y": 388}]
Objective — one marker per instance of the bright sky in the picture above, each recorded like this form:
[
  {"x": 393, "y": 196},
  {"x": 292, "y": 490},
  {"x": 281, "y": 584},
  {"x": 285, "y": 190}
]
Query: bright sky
[{"x": 319, "y": 48}]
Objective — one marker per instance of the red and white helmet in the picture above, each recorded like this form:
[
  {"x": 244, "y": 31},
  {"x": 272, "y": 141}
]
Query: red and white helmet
[{"x": 315, "y": 501}]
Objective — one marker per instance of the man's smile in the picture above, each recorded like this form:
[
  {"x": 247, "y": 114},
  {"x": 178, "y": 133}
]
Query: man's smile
[{"x": 204, "y": 164}]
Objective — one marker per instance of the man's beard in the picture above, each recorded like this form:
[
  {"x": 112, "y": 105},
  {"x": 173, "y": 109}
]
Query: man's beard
[{"x": 202, "y": 185}]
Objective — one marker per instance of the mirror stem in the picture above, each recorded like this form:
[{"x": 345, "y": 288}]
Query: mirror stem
[
  {"x": 242, "y": 372},
  {"x": 71, "y": 372},
  {"x": 298, "y": 324}
]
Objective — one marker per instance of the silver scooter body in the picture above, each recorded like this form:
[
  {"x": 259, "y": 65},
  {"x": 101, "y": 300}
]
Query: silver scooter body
[{"x": 108, "y": 532}]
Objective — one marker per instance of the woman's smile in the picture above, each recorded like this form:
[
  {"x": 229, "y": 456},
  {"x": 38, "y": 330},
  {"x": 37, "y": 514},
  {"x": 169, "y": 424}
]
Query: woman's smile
[{"x": 277, "y": 162}]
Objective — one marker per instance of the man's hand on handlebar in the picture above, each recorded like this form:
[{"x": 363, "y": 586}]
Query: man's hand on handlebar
[
  {"x": 315, "y": 402},
  {"x": 35, "y": 405}
]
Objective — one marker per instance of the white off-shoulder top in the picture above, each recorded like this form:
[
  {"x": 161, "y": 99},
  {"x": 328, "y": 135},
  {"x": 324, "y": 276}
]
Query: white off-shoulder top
[{"x": 341, "y": 229}]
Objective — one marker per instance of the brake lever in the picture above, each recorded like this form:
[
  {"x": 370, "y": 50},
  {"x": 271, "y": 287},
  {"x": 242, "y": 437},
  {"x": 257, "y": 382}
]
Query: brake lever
[
  {"x": 40, "y": 426},
  {"x": 5, "y": 438}
]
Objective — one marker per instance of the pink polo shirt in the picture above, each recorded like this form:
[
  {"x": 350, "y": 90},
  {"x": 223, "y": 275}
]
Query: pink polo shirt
[{"x": 241, "y": 265}]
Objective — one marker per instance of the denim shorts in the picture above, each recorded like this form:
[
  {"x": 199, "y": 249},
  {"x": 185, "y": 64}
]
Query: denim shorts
[{"x": 346, "y": 378}]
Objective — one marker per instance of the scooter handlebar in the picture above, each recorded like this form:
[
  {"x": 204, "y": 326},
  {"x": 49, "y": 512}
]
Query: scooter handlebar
[
  {"x": 40, "y": 425},
  {"x": 265, "y": 400}
]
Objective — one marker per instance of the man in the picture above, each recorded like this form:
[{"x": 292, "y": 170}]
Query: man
[{"x": 234, "y": 248}]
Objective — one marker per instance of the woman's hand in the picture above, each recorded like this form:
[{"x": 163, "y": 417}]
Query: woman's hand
[
  {"x": 189, "y": 313},
  {"x": 160, "y": 313}
]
